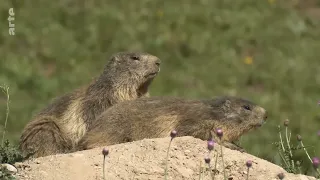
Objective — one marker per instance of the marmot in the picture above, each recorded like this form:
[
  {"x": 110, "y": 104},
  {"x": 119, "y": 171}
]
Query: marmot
[
  {"x": 58, "y": 127},
  {"x": 156, "y": 117}
]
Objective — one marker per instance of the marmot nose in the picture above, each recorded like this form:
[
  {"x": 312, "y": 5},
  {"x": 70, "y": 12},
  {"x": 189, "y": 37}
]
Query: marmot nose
[{"x": 266, "y": 115}]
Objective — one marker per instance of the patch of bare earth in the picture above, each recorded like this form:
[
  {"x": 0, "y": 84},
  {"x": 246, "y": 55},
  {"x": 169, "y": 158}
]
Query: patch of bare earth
[{"x": 145, "y": 159}]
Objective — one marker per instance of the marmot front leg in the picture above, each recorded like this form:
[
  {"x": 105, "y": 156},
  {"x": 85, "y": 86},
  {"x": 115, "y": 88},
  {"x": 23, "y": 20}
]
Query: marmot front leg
[
  {"x": 233, "y": 146},
  {"x": 230, "y": 145},
  {"x": 42, "y": 138}
]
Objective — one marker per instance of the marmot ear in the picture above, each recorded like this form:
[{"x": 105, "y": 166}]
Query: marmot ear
[
  {"x": 115, "y": 58},
  {"x": 227, "y": 104}
]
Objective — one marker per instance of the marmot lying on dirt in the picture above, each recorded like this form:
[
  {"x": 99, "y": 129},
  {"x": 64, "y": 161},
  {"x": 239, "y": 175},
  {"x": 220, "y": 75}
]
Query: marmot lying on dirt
[
  {"x": 58, "y": 127},
  {"x": 156, "y": 117}
]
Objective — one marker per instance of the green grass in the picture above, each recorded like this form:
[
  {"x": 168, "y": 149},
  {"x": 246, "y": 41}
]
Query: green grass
[
  {"x": 8, "y": 153},
  {"x": 61, "y": 45}
]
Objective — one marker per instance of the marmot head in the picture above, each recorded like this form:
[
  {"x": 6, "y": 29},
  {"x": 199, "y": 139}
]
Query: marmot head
[
  {"x": 237, "y": 116},
  {"x": 132, "y": 70}
]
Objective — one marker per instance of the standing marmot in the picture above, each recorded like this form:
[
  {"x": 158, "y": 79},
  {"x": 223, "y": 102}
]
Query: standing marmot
[
  {"x": 58, "y": 127},
  {"x": 156, "y": 117}
]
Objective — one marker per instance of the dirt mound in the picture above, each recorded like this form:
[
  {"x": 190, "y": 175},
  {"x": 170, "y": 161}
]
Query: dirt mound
[{"x": 145, "y": 159}]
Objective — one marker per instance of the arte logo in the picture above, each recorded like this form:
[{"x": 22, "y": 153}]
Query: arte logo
[{"x": 11, "y": 22}]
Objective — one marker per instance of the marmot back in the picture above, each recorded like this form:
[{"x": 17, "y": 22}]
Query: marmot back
[
  {"x": 59, "y": 126},
  {"x": 156, "y": 117}
]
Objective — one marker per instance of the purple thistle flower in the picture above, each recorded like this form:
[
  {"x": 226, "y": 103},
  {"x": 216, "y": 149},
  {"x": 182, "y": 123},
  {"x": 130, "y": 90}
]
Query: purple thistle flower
[
  {"x": 105, "y": 152},
  {"x": 207, "y": 160},
  {"x": 286, "y": 122},
  {"x": 280, "y": 175},
  {"x": 249, "y": 163},
  {"x": 219, "y": 132},
  {"x": 210, "y": 145},
  {"x": 315, "y": 162},
  {"x": 173, "y": 134},
  {"x": 299, "y": 138}
]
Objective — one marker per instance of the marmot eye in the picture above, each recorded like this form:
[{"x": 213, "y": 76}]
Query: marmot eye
[
  {"x": 135, "y": 58},
  {"x": 247, "y": 107}
]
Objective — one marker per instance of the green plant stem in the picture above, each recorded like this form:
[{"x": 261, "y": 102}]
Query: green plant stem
[
  {"x": 305, "y": 150},
  {"x": 283, "y": 159},
  {"x": 289, "y": 147},
  {"x": 316, "y": 171},
  {"x": 166, "y": 168},
  {"x": 290, "y": 135},
  {"x": 283, "y": 149},
  {"x": 210, "y": 169},
  {"x": 248, "y": 173},
  {"x": 215, "y": 165},
  {"x": 224, "y": 171},
  {"x": 104, "y": 163},
  {"x": 5, "y": 89},
  {"x": 281, "y": 141},
  {"x": 200, "y": 174},
  {"x": 299, "y": 168}
]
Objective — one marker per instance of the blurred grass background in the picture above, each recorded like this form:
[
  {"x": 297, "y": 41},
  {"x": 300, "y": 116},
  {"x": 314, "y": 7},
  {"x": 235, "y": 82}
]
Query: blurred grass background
[{"x": 267, "y": 51}]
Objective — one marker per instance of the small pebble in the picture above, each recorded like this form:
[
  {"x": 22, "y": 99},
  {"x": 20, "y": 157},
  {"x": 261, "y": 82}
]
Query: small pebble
[
  {"x": 187, "y": 151},
  {"x": 10, "y": 168},
  {"x": 76, "y": 155}
]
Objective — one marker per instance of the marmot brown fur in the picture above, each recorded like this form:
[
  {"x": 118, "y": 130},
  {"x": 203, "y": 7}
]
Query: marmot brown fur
[
  {"x": 156, "y": 117},
  {"x": 58, "y": 127}
]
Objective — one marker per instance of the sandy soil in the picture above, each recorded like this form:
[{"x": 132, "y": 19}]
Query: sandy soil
[{"x": 145, "y": 159}]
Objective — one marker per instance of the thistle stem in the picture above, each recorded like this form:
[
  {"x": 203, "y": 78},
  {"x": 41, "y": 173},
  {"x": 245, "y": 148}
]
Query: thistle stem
[
  {"x": 215, "y": 165},
  {"x": 166, "y": 168},
  {"x": 104, "y": 162},
  {"x": 281, "y": 141},
  {"x": 248, "y": 173},
  {"x": 200, "y": 174},
  {"x": 289, "y": 147},
  {"x": 224, "y": 171},
  {"x": 305, "y": 150}
]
